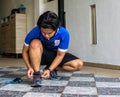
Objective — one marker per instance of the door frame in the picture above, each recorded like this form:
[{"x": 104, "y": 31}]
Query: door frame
[{"x": 61, "y": 12}]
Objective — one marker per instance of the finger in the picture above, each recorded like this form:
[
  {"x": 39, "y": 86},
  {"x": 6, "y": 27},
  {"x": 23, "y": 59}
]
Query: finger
[
  {"x": 29, "y": 75},
  {"x": 43, "y": 75}
]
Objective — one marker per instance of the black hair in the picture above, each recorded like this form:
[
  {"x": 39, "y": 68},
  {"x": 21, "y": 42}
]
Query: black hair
[{"x": 49, "y": 20}]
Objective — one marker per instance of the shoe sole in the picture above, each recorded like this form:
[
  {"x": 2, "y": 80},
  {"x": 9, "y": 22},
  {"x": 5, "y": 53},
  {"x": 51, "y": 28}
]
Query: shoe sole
[{"x": 34, "y": 85}]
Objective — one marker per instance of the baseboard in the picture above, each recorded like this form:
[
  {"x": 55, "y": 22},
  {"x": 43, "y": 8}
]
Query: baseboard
[{"x": 101, "y": 65}]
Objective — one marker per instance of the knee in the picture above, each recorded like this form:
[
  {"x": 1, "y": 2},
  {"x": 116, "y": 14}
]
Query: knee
[
  {"x": 79, "y": 64},
  {"x": 36, "y": 43}
]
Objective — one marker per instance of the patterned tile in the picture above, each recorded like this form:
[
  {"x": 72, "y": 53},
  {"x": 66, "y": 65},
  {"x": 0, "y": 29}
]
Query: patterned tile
[
  {"x": 82, "y": 75},
  {"x": 109, "y": 96},
  {"x": 80, "y": 90},
  {"x": 54, "y": 83},
  {"x": 5, "y": 80},
  {"x": 49, "y": 89},
  {"x": 72, "y": 84},
  {"x": 32, "y": 94},
  {"x": 16, "y": 87},
  {"x": 11, "y": 93},
  {"x": 1, "y": 75},
  {"x": 108, "y": 84},
  {"x": 90, "y": 79},
  {"x": 81, "y": 84},
  {"x": 109, "y": 91},
  {"x": 104, "y": 79},
  {"x": 77, "y": 95}
]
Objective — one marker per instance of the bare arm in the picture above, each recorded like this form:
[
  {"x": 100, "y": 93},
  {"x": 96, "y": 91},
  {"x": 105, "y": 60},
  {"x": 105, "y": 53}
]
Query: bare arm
[
  {"x": 55, "y": 63},
  {"x": 57, "y": 60},
  {"x": 25, "y": 54}
]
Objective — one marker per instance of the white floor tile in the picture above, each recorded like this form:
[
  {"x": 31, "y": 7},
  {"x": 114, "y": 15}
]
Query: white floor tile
[
  {"x": 82, "y": 79},
  {"x": 31, "y": 94},
  {"x": 17, "y": 87},
  {"x": 108, "y": 84},
  {"x": 80, "y": 90}
]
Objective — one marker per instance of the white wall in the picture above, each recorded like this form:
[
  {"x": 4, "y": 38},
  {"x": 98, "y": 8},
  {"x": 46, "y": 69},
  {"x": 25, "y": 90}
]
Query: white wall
[
  {"x": 78, "y": 18},
  {"x": 45, "y": 6},
  {"x": 42, "y": 6}
]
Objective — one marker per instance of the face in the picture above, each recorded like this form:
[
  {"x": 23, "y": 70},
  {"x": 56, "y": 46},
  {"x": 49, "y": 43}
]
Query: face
[{"x": 47, "y": 32}]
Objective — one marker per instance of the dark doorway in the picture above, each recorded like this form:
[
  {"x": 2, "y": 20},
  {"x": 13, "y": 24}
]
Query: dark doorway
[{"x": 61, "y": 12}]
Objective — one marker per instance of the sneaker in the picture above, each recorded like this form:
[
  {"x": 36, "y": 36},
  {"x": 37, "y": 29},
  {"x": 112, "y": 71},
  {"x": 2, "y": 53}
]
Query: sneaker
[
  {"x": 36, "y": 81},
  {"x": 54, "y": 76}
]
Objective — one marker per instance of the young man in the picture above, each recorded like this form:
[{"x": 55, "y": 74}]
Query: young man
[{"x": 47, "y": 44}]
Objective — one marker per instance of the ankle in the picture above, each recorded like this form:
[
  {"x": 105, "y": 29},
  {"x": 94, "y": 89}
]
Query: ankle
[{"x": 37, "y": 73}]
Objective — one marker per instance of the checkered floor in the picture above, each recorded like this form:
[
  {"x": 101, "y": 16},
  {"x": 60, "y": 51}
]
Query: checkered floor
[{"x": 72, "y": 84}]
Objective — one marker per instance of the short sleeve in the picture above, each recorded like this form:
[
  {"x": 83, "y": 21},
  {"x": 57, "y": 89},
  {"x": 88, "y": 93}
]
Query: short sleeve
[
  {"x": 64, "y": 44},
  {"x": 33, "y": 34}
]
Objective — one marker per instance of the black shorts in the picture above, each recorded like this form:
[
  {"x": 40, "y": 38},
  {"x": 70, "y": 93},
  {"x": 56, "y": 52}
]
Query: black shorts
[{"x": 49, "y": 55}]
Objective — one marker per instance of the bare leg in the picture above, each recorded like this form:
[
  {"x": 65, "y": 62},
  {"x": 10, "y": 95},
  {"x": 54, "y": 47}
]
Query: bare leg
[
  {"x": 35, "y": 53},
  {"x": 74, "y": 65}
]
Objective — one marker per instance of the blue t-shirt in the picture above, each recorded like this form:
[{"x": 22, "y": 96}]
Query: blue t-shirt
[{"x": 59, "y": 41}]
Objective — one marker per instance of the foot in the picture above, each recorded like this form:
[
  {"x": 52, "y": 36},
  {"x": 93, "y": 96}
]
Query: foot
[
  {"x": 36, "y": 80},
  {"x": 54, "y": 76}
]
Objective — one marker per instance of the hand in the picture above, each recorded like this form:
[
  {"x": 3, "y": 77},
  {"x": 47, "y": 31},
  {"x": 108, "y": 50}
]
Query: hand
[
  {"x": 46, "y": 74},
  {"x": 30, "y": 73}
]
